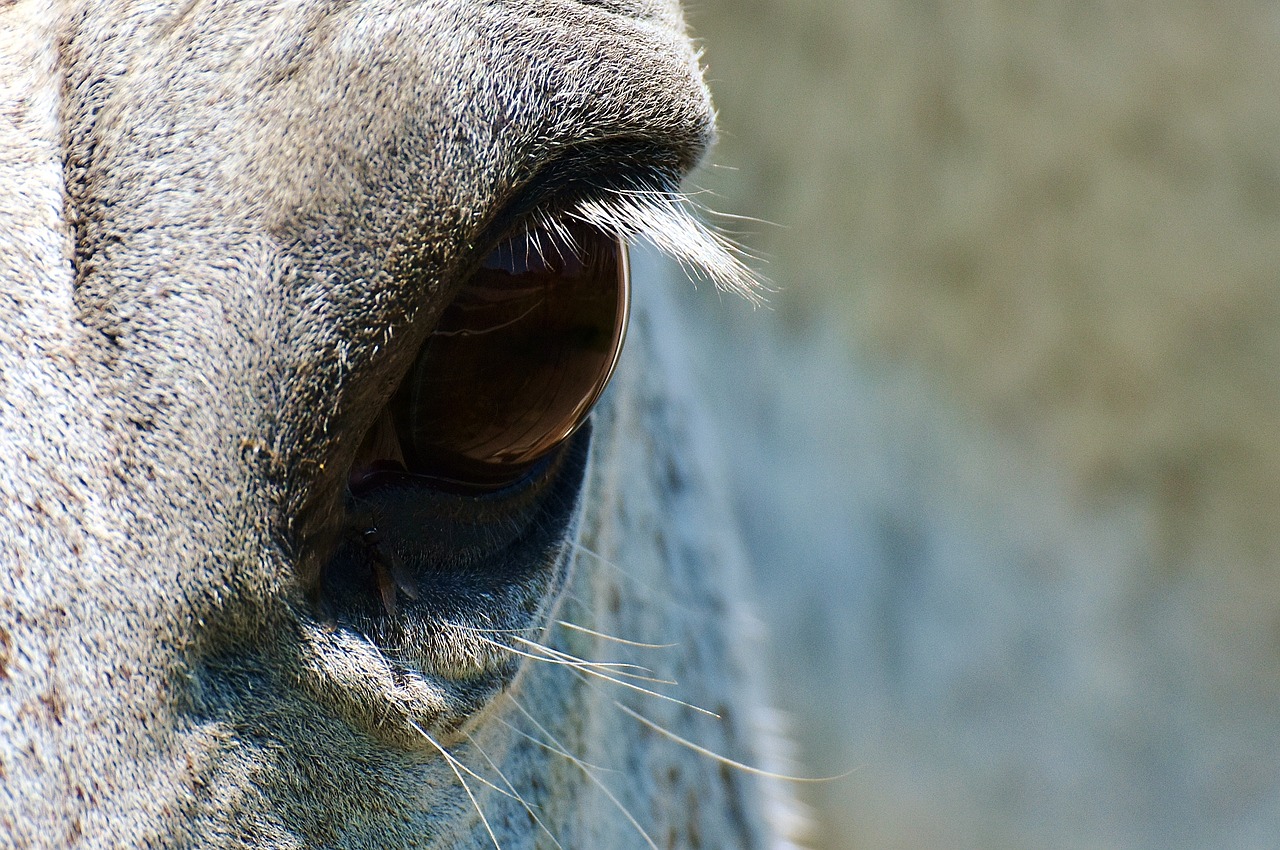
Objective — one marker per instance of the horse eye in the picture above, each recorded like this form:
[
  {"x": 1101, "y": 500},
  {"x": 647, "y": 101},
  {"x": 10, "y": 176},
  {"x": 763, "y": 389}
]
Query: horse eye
[{"x": 516, "y": 361}]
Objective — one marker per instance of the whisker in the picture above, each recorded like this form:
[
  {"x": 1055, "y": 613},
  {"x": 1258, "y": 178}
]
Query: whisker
[
  {"x": 519, "y": 635},
  {"x": 570, "y": 756},
  {"x": 454, "y": 764},
  {"x": 522, "y": 800},
  {"x": 587, "y": 607},
  {"x": 618, "y": 568},
  {"x": 617, "y": 667},
  {"x": 459, "y": 763},
  {"x": 725, "y": 760},
  {"x": 582, "y": 766},
  {"x": 578, "y": 672},
  {"x": 613, "y": 638},
  {"x": 551, "y": 657},
  {"x": 579, "y": 666},
  {"x": 656, "y": 594},
  {"x": 478, "y": 630}
]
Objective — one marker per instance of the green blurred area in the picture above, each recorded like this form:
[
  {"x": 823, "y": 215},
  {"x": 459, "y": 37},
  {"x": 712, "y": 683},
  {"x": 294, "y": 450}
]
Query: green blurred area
[
  {"x": 1058, "y": 220},
  {"x": 1066, "y": 212}
]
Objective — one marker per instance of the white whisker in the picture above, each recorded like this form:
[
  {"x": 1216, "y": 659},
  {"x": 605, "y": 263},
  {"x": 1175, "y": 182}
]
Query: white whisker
[
  {"x": 551, "y": 656},
  {"x": 668, "y": 698},
  {"x": 578, "y": 666},
  {"x": 613, "y": 638},
  {"x": 656, "y": 594},
  {"x": 478, "y": 630},
  {"x": 462, "y": 766},
  {"x": 725, "y": 760},
  {"x": 454, "y": 765},
  {"x": 561, "y": 750},
  {"x": 618, "y": 668},
  {"x": 567, "y": 755},
  {"x": 528, "y": 808}
]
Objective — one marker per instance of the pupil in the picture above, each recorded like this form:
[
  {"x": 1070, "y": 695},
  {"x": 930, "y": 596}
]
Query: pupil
[{"x": 517, "y": 360}]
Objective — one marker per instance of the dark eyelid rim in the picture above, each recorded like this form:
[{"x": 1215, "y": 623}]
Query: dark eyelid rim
[{"x": 584, "y": 171}]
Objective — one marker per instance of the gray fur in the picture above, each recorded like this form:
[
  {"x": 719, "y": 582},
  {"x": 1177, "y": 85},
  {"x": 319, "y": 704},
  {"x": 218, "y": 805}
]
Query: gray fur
[{"x": 226, "y": 224}]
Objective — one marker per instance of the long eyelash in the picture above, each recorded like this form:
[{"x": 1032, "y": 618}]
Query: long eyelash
[{"x": 669, "y": 221}]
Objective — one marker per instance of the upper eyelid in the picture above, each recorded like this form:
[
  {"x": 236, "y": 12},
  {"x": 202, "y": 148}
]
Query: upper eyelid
[
  {"x": 593, "y": 168},
  {"x": 629, "y": 190},
  {"x": 547, "y": 198},
  {"x": 667, "y": 220}
]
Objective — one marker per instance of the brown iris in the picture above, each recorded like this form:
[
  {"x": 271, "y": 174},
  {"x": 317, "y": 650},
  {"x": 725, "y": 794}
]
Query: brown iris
[{"x": 514, "y": 365}]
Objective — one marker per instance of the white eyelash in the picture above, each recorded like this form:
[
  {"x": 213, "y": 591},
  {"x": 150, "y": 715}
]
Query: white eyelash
[{"x": 668, "y": 221}]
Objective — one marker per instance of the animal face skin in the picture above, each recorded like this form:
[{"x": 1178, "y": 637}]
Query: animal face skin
[{"x": 229, "y": 229}]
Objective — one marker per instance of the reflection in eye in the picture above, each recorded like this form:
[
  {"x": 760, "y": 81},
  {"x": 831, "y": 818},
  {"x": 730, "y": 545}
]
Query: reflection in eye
[{"x": 515, "y": 363}]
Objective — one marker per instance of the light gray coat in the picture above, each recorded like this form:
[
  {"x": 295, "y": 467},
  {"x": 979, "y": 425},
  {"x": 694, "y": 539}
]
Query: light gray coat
[{"x": 226, "y": 227}]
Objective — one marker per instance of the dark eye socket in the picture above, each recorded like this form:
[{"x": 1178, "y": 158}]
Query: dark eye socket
[{"x": 514, "y": 365}]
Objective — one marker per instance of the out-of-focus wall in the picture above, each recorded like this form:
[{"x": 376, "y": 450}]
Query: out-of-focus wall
[{"x": 1008, "y": 455}]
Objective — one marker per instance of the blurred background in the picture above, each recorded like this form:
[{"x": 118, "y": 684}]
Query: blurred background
[{"x": 1006, "y": 444}]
